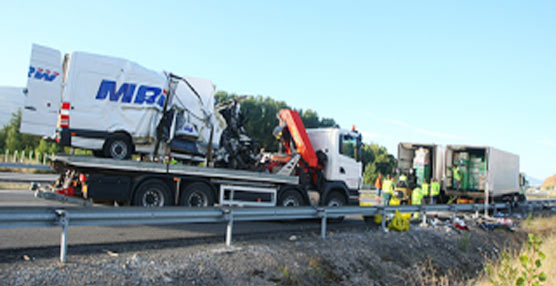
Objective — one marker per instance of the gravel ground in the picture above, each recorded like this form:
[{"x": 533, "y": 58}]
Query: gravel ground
[{"x": 422, "y": 256}]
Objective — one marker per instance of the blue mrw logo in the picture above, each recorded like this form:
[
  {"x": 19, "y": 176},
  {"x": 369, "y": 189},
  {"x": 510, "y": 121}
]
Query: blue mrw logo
[
  {"x": 42, "y": 74},
  {"x": 145, "y": 94}
]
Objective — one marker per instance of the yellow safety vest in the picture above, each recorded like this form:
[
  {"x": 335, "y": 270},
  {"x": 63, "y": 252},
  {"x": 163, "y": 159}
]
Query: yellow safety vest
[
  {"x": 387, "y": 186},
  {"x": 425, "y": 187},
  {"x": 403, "y": 178},
  {"x": 416, "y": 196},
  {"x": 435, "y": 188}
]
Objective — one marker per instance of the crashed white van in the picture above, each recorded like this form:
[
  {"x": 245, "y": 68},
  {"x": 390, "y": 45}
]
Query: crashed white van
[{"x": 116, "y": 107}]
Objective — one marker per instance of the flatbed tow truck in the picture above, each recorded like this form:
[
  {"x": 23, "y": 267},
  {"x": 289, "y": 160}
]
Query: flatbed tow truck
[{"x": 298, "y": 176}]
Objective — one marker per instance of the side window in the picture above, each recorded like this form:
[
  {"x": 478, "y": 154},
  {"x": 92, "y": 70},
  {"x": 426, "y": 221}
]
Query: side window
[{"x": 348, "y": 145}]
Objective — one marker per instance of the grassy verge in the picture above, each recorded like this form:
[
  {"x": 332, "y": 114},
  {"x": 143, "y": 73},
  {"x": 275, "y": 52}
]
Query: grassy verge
[{"x": 509, "y": 269}]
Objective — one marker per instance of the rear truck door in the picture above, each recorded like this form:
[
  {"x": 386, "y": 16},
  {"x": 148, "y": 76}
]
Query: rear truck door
[
  {"x": 44, "y": 90},
  {"x": 405, "y": 156}
]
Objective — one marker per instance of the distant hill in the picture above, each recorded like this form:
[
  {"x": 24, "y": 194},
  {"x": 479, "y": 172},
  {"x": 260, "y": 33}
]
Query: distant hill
[
  {"x": 534, "y": 182},
  {"x": 549, "y": 183}
]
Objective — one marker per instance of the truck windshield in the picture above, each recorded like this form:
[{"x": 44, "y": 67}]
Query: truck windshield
[{"x": 348, "y": 146}]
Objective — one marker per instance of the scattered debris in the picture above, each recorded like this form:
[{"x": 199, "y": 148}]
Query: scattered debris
[{"x": 113, "y": 254}]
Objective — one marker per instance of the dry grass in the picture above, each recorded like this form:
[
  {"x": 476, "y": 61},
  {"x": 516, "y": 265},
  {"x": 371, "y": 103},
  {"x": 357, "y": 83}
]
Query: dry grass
[{"x": 545, "y": 228}]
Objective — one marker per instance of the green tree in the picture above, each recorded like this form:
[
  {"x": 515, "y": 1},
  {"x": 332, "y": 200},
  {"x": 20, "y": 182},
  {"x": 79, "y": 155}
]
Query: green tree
[
  {"x": 376, "y": 159},
  {"x": 12, "y": 139}
]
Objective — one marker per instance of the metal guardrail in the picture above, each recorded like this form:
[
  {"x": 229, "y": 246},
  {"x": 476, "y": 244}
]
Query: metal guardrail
[{"x": 24, "y": 217}]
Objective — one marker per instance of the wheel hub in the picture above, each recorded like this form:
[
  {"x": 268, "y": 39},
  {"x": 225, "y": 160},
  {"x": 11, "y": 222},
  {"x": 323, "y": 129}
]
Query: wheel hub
[
  {"x": 153, "y": 198},
  {"x": 198, "y": 199},
  {"x": 118, "y": 150}
]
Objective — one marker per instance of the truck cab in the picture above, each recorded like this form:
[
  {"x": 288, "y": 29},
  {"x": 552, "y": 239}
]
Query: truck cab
[
  {"x": 343, "y": 151},
  {"x": 327, "y": 159}
]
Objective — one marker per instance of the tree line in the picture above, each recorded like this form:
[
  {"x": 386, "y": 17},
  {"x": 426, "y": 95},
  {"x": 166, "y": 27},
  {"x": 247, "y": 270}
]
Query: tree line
[{"x": 261, "y": 121}]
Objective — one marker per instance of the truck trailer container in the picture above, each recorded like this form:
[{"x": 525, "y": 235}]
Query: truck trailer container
[{"x": 487, "y": 172}]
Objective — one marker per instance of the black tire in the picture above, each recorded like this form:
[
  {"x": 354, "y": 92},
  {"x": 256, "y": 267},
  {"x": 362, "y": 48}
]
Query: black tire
[
  {"x": 291, "y": 198},
  {"x": 153, "y": 193},
  {"x": 118, "y": 146},
  {"x": 335, "y": 199},
  {"x": 197, "y": 194}
]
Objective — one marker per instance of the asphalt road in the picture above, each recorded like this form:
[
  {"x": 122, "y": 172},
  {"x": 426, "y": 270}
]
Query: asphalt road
[{"x": 50, "y": 237}]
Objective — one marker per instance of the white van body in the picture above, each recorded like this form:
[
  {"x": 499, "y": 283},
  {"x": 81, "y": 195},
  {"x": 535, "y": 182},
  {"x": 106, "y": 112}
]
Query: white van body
[
  {"x": 103, "y": 98},
  {"x": 12, "y": 99}
]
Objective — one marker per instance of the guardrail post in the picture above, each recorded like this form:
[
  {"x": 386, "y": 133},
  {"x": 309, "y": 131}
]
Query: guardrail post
[
  {"x": 230, "y": 216},
  {"x": 63, "y": 220},
  {"x": 509, "y": 207},
  {"x": 424, "y": 214},
  {"x": 454, "y": 210},
  {"x": 383, "y": 223},
  {"x": 322, "y": 214},
  {"x": 476, "y": 209}
]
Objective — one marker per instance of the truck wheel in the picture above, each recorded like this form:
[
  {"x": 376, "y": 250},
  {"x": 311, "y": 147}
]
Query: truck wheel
[
  {"x": 197, "y": 195},
  {"x": 118, "y": 147},
  {"x": 291, "y": 198},
  {"x": 153, "y": 193},
  {"x": 336, "y": 199}
]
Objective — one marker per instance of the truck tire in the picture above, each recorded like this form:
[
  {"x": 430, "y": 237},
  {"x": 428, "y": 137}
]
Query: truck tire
[
  {"x": 291, "y": 198},
  {"x": 335, "y": 199},
  {"x": 153, "y": 193},
  {"x": 197, "y": 195},
  {"x": 118, "y": 146}
]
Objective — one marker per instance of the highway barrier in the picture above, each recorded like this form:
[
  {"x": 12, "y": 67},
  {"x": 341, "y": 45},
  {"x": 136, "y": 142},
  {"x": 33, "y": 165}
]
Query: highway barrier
[{"x": 25, "y": 217}]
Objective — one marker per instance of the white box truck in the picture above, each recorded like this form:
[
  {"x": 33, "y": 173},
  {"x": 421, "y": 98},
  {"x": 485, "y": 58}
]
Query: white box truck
[
  {"x": 116, "y": 107},
  {"x": 486, "y": 171}
]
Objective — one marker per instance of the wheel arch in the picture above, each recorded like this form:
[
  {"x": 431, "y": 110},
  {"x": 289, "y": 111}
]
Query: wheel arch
[
  {"x": 331, "y": 187},
  {"x": 119, "y": 132}
]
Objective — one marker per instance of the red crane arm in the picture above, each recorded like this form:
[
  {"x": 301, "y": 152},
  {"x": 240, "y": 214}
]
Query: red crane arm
[{"x": 292, "y": 120}]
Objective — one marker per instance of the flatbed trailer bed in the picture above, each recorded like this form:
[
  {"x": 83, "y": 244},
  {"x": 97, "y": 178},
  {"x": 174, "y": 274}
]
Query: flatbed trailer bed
[{"x": 159, "y": 184}]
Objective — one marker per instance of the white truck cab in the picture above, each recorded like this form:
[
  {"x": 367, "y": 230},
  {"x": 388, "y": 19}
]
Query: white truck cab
[
  {"x": 342, "y": 148},
  {"x": 343, "y": 168}
]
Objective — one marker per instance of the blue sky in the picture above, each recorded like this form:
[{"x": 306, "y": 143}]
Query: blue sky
[{"x": 449, "y": 72}]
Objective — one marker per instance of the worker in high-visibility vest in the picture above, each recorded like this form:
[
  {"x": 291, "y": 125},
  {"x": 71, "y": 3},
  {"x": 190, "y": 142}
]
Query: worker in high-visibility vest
[
  {"x": 458, "y": 177},
  {"x": 402, "y": 181},
  {"x": 435, "y": 190},
  {"x": 425, "y": 190},
  {"x": 416, "y": 198},
  {"x": 378, "y": 183},
  {"x": 387, "y": 190}
]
